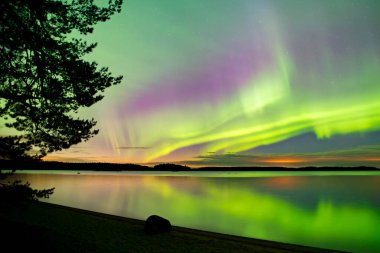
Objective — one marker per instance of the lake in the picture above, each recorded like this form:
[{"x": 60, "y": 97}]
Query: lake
[{"x": 335, "y": 210}]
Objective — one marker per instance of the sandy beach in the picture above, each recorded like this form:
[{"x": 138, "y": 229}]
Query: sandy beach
[{"x": 54, "y": 228}]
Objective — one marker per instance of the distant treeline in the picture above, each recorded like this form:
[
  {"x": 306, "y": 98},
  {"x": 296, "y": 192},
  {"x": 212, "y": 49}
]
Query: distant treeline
[{"x": 49, "y": 165}]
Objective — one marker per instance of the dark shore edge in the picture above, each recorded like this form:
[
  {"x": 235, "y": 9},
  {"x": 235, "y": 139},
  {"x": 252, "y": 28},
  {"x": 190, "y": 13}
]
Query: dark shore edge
[
  {"x": 114, "y": 167},
  {"x": 271, "y": 246}
]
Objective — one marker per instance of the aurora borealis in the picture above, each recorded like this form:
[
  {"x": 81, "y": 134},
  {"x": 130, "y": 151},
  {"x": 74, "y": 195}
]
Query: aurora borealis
[{"x": 246, "y": 82}]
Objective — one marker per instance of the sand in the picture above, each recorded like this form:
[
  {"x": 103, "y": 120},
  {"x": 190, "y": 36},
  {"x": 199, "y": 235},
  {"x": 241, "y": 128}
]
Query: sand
[{"x": 53, "y": 228}]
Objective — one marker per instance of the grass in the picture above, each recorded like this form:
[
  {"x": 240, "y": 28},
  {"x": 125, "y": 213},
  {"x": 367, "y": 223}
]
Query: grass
[{"x": 43, "y": 227}]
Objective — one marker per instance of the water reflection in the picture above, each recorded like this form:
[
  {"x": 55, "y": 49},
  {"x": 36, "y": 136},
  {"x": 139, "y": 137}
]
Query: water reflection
[{"x": 337, "y": 212}]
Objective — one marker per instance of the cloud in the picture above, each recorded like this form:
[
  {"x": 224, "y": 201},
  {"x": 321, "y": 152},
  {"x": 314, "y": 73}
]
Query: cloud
[
  {"x": 360, "y": 156},
  {"x": 132, "y": 147},
  {"x": 66, "y": 159}
]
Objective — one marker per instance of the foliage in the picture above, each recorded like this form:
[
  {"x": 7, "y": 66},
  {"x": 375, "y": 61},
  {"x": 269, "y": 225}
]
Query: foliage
[
  {"x": 18, "y": 191},
  {"x": 44, "y": 78},
  {"x": 171, "y": 166},
  {"x": 4, "y": 175}
]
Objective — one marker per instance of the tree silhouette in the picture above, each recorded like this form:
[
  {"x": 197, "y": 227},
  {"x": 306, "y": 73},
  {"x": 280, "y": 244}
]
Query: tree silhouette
[
  {"x": 44, "y": 78},
  {"x": 17, "y": 191}
]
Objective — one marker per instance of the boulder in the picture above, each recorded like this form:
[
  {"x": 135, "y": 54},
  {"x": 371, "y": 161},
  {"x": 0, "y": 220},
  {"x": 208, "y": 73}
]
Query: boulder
[{"x": 157, "y": 225}]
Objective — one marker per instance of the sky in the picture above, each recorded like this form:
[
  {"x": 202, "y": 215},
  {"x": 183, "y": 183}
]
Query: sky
[{"x": 238, "y": 83}]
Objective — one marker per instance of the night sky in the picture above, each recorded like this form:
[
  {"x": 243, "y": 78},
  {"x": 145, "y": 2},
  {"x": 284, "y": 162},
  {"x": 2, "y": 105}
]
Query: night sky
[{"x": 238, "y": 83}]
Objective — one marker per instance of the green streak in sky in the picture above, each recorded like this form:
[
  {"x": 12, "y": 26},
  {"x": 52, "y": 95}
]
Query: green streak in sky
[{"x": 269, "y": 110}]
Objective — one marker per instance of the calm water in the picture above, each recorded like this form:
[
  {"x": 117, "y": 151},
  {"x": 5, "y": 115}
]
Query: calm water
[{"x": 322, "y": 209}]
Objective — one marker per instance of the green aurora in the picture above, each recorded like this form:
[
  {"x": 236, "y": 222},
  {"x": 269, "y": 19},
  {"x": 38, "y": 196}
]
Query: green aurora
[{"x": 215, "y": 78}]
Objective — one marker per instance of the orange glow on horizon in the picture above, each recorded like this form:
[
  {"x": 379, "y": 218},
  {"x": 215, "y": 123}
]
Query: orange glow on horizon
[
  {"x": 369, "y": 159},
  {"x": 284, "y": 160}
]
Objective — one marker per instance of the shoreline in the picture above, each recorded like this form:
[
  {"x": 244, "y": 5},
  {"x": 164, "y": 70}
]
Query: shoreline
[
  {"x": 98, "y": 230},
  {"x": 165, "y": 167}
]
